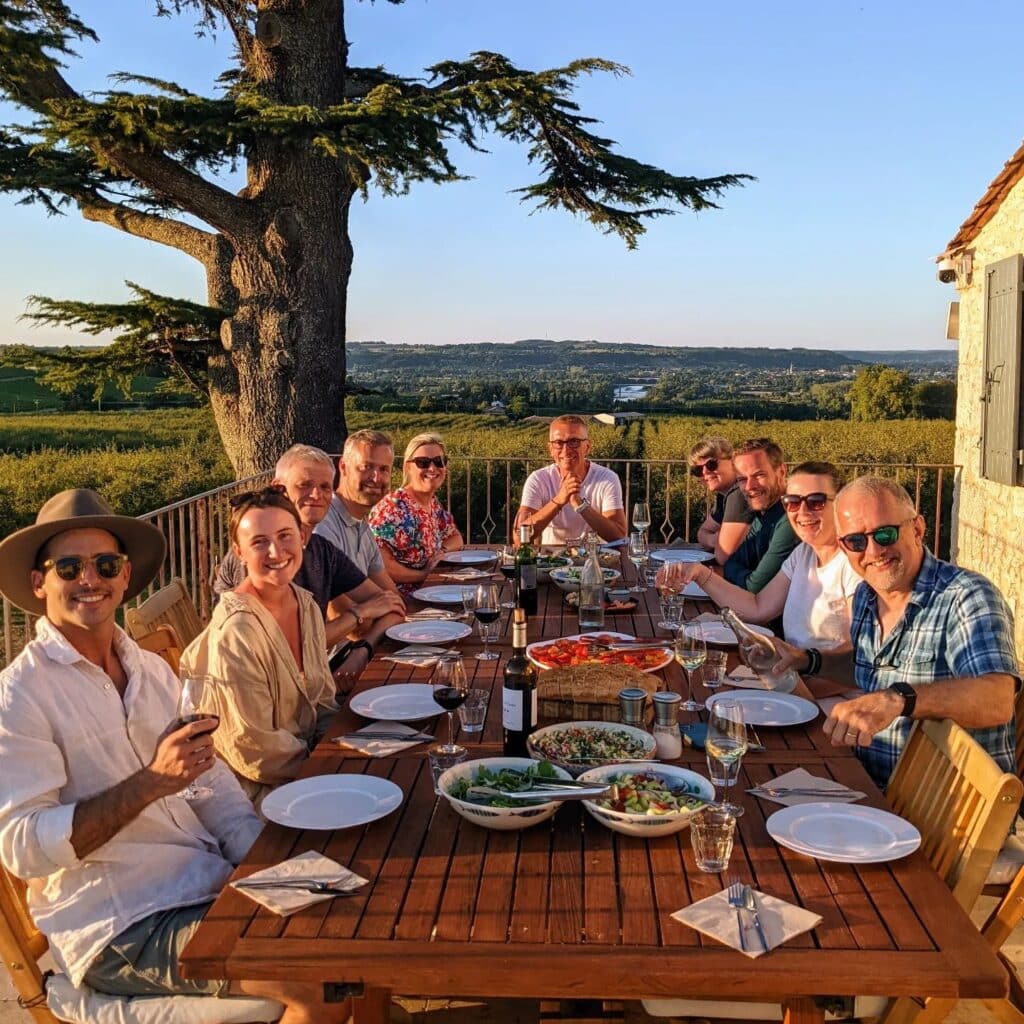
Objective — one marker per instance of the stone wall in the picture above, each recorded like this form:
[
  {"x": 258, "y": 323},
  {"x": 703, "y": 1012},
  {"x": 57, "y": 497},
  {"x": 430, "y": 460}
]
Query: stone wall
[{"x": 988, "y": 517}]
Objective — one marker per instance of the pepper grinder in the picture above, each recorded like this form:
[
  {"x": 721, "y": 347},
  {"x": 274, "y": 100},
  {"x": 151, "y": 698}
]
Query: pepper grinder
[{"x": 666, "y": 726}]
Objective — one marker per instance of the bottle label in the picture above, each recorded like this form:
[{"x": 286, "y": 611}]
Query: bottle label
[
  {"x": 519, "y": 709},
  {"x": 528, "y": 577}
]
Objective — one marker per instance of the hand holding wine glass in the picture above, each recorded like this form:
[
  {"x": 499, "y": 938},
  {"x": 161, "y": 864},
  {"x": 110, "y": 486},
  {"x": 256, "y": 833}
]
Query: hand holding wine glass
[
  {"x": 486, "y": 611},
  {"x": 725, "y": 745},
  {"x": 198, "y": 692}
]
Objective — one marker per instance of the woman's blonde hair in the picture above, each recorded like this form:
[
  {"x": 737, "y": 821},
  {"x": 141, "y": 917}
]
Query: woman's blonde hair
[{"x": 419, "y": 441}]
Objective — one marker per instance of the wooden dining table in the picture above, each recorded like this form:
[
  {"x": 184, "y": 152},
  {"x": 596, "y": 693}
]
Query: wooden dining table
[{"x": 570, "y": 910}]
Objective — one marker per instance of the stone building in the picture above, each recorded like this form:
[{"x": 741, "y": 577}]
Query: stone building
[{"x": 985, "y": 260}]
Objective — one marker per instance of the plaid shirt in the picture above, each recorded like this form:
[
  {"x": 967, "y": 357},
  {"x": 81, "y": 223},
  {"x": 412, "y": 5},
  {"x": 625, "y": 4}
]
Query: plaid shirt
[{"x": 956, "y": 626}]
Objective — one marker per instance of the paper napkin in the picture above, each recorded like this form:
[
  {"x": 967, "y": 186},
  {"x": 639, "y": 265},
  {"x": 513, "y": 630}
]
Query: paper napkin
[
  {"x": 431, "y": 613},
  {"x": 311, "y": 866},
  {"x": 780, "y": 920},
  {"x": 416, "y": 655},
  {"x": 380, "y": 748},
  {"x": 465, "y": 574},
  {"x": 745, "y": 677},
  {"x": 800, "y": 778}
]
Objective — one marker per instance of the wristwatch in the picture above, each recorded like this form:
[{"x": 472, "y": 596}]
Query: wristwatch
[
  {"x": 583, "y": 506},
  {"x": 909, "y": 695}
]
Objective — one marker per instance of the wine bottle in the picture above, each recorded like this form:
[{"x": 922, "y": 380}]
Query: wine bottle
[
  {"x": 526, "y": 572},
  {"x": 591, "y": 604},
  {"x": 518, "y": 693},
  {"x": 759, "y": 653}
]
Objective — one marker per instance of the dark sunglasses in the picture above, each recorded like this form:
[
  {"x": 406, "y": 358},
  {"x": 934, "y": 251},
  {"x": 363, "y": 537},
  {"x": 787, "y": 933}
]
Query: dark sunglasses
[
  {"x": 256, "y": 497},
  {"x": 569, "y": 442},
  {"x": 883, "y": 536},
  {"x": 422, "y": 462},
  {"x": 698, "y": 471},
  {"x": 72, "y": 567},
  {"x": 815, "y": 502}
]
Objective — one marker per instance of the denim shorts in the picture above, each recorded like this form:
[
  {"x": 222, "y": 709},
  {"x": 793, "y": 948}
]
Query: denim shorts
[{"x": 143, "y": 959}]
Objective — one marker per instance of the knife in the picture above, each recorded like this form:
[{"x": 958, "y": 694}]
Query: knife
[{"x": 410, "y": 737}]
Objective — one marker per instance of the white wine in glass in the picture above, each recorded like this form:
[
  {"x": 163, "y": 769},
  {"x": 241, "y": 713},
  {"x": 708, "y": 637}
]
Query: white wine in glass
[
  {"x": 638, "y": 555},
  {"x": 725, "y": 745},
  {"x": 690, "y": 652},
  {"x": 642, "y": 516}
]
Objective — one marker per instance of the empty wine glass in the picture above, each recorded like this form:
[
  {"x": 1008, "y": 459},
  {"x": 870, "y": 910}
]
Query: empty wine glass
[
  {"x": 638, "y": 553},
  {"x": 642, "y": 516},
  {"x": 486, "y": 610},
  {"x": 507, "y": 564},
  {"x": 450, "y": 690},
  {"x": 690, "y": 652},
  {"x": 725, "y": 745},
  {"x": 197, "y": 696}
]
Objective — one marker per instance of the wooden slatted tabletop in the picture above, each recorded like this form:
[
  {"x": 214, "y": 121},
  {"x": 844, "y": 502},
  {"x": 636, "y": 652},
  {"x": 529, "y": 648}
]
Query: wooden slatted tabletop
[{"x": 568, "y": 909}]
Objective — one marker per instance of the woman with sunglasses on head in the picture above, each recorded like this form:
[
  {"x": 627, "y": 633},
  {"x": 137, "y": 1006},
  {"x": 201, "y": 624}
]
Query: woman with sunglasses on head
[
  {"x": 412, "y": 528},
  {"x": 813, "y": 589},
  {"x": 729, "y": 516},
  {"x": 266, "y": 645}
]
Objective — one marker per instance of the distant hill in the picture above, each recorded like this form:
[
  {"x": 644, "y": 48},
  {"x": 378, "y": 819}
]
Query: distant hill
[
  {"x": 907, "y": 357},
  {"x": 595, "y": 356}
]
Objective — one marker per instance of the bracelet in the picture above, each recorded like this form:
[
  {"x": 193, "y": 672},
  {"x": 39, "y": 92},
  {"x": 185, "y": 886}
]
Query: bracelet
[
  {"x": 706, "y": 580},
  {"x": 813, "y": 661}
]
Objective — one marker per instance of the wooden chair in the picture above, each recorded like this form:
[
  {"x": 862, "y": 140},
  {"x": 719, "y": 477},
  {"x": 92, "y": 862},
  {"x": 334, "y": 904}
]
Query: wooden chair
[
  {"x": 22, "y": 945},
  {"x": 163, "y": 641},
  {"x": 169, "y": 606}
]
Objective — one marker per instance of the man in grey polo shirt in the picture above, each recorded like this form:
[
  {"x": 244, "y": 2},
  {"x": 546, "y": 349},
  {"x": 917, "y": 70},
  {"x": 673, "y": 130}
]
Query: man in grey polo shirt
[{"x": 364, "y": 477}]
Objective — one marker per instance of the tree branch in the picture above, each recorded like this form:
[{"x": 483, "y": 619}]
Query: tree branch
[{"x": 201, "y": 245}]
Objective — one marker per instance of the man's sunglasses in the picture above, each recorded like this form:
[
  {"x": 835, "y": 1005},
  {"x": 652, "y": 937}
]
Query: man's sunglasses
[
  {"x": 72, "y": 567},
  {"x": 422, "y": 462},
  {"x": 815, "y": 502},
  {"x": 698, "y": 471},
  {"x": 569, "y": 442},
  {"x": 883, "y": 536}
]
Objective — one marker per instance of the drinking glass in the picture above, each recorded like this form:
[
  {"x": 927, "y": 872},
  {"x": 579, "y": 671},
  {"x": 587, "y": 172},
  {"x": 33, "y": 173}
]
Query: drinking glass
[
  {"x": 651, "y": 570},
  {"x": 711, "y": 834},
  {"x": 473, "y": 710},
  {"x": 642, "y": 516},
  {"x": 450, "y": 690},
  {"x": 638, "y": 554},
  {"x": 671, "y": 604},
  {"x": 690, "y": 652},
  {"x": 197, "y": 692},
  {"x": 441, "y": 759},
  {"x": 469, "y": 602},
  {"x": 714, "y": 669},
  {"x": 725, "y": 745},
  {"x": 486, "y": 610},
  {"x": 507, "y": 564}
]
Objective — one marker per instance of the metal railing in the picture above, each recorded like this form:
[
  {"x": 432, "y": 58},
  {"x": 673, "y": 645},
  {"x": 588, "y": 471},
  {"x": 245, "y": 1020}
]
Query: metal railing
[{"x": 483, "y": 495}]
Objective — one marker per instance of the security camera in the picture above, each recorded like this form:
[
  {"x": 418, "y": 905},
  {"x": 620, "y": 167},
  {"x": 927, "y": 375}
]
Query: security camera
[{"x": 947, "y": 271}]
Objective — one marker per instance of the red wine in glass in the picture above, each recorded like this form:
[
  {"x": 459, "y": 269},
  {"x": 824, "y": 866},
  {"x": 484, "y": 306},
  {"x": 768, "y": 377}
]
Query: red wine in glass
[
  {"x": 486, "y": 615},
  {"x": 449, "y": 697},
  {"x": 184, "y": 720}
]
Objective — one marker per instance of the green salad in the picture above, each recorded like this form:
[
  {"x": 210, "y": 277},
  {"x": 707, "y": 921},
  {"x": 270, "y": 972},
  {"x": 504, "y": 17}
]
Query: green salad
[
  {"x": 509, "y": 780},
  {"x": 648, "y": 793}
]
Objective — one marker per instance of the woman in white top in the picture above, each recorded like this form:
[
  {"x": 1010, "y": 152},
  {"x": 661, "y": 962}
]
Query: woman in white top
[{"x": 814, "y": 588}]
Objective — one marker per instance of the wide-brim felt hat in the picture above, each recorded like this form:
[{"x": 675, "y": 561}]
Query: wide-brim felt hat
[{"x": 77, "y": 509}]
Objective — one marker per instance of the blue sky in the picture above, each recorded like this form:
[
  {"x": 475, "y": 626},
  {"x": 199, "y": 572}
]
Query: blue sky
[{"x": 872, "y": 127}]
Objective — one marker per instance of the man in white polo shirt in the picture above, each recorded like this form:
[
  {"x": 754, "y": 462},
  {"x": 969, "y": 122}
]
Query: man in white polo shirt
[{"x": 573, "y": 496}]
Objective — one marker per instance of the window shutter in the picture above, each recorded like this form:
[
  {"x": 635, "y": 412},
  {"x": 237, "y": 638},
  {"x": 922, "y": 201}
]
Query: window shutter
[{"x": 1001, "y": 394}]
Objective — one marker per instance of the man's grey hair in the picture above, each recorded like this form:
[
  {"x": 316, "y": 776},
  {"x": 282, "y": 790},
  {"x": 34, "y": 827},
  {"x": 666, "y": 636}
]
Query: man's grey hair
[
  {"x": 878, "y": 487},
  {"x": 301, "y": 453},
  {"x": 371, "y": 438}
]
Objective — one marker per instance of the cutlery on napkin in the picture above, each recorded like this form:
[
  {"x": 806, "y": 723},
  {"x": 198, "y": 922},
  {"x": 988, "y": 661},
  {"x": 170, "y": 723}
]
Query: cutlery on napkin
[
  {"x": 416, "y": 655},
  {"x": 746, "y": 678},
  {"x": 431, "y": 613},
  {"x": 465, "y": 574},
  {"x": 780, "y": 921},
  {"x": 306, "y": 867},
  {"x": 376, "y": 745},
  {"x": 812, "y": 789}
]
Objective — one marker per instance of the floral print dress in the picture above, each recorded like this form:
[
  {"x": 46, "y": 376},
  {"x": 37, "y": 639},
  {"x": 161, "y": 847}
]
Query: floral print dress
[{"x": 411, "y": 533}]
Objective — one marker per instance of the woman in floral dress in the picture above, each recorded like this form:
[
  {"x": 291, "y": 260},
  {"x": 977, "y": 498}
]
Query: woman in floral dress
[{"x": 412, "y": 528}]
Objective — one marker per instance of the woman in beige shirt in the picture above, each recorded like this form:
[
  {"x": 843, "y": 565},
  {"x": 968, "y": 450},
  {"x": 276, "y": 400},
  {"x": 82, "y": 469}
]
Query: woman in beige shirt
[{"x": 265, "y": 645}]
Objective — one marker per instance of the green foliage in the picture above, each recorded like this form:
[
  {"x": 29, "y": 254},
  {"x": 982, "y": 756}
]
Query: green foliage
[
  {"x": 881, "y": 392},
  {"x": 935, "y": 399}
]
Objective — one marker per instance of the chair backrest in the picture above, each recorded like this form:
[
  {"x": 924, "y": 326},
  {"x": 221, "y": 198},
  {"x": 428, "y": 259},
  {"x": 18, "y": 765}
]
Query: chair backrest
[
  {"x": 21, "y": 946},
  {"x": 163, "y": 641},
  {"x": 1018, "y": 721},
  {"x": 169, "y": 606},
  {"x": 959, "y": 799}
]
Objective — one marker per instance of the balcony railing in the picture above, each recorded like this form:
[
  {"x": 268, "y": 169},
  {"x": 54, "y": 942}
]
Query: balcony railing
[{"x": 483, "y": 495}]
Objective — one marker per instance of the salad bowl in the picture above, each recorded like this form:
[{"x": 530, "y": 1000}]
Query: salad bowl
[{"x": 579, "y": 746}]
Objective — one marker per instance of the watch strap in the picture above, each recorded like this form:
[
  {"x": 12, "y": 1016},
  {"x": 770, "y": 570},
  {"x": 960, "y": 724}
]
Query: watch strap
[{"x": 909, "y": 695}]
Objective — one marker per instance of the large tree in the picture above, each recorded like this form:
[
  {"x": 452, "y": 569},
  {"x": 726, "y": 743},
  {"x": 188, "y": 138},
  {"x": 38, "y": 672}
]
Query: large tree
[{"x": 312, "y": 132}]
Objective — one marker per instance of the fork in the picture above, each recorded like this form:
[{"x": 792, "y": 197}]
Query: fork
[
  {"x": 798, "y": 791},
  {"x": 305, "y": 885},
  {"x": 734, "y": 894}
]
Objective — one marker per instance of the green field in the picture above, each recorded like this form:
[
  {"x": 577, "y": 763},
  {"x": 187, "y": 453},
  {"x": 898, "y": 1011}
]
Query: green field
[{"x": 21, "y": 392}]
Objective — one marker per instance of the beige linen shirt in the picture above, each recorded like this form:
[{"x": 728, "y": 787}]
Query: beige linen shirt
[
  {"x": 271, "y": 713},
  {"x": 66, "y": 735}
]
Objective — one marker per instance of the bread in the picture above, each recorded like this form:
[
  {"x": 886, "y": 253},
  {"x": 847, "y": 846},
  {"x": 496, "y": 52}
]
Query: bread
[{"x": 593, "y": 683}]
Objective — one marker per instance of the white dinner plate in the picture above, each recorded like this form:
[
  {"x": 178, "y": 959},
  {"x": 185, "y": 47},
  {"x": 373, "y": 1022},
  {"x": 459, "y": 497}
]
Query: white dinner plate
[
  {"x": 469, "y": 556},
  {"x": 442, "y": 593},
  {"x": 766, "y": 707},
  {"x": 681, "y": 555},
  {"x": 429, "y": 631},
  {"x": 697, "y": 593},
  {"x": 717, "y": 632},
  {"x": 400, "y": 702},
  {"x": 849, "y": 833},
  {"x": 530, "y": 648},
  {"x": 331, "y": 801}
]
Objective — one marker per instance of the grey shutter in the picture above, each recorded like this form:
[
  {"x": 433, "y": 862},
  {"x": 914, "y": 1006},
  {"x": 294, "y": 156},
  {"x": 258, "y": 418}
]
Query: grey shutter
[{"x": 1001, "y": 396}]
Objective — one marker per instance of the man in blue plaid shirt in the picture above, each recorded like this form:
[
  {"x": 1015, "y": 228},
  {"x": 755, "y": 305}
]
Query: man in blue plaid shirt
[{"x": 929, "y": 640}]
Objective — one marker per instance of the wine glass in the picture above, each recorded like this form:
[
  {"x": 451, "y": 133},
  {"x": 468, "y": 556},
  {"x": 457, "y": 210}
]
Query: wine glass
[
  {"x": 450, "y": 691},
  {"x": 638, "y": 554},
  {"x": 507, "y": 564},
  {"x": 690, "y": 652},
  {"x": 725, "y": 745},
  {"x": 642, "y": 516},
  {"x": 486, "y": 610},
  {"x": 197, "y": 692}
]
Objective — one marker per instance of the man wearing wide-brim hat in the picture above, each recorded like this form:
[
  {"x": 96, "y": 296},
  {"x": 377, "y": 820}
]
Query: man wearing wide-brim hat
[{"x": 121, "y": 866}]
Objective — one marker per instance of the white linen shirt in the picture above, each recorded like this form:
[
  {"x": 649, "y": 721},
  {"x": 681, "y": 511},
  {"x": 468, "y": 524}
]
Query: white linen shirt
[
  {"x": 66, "y": 736},
  {"x": 601, "y": 487}
]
